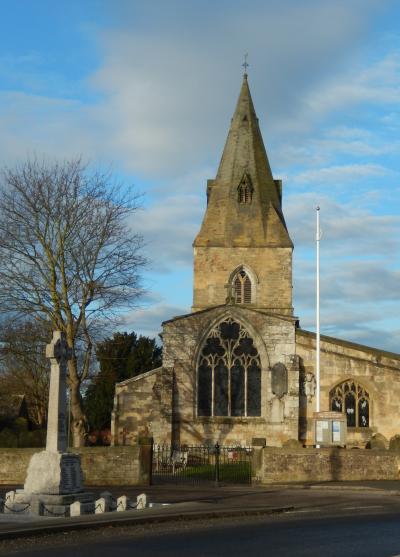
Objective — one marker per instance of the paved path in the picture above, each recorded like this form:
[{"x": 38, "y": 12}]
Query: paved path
[
  {"x": 187, "y": 500},
  {"x": 320, "y": 522}
]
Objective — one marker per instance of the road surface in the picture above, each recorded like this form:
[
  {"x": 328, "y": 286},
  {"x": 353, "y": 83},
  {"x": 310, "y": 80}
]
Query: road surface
[{"x": 346, "y": 526}]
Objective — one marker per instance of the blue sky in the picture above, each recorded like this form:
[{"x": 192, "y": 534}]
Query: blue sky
[{"x": 150, "y": 87}]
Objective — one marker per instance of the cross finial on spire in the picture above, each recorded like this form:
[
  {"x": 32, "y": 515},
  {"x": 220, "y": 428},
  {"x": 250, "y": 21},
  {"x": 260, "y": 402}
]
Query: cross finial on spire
[{"x": 245, "y": 64}]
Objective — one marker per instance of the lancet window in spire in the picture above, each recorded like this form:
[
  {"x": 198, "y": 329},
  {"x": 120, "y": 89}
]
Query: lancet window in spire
[
  {"x": 229, "y": 373},
  {"x": 241, "y": 287},
  {"x": 245, "y": 190}
]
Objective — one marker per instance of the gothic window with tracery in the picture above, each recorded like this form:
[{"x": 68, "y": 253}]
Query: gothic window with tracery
[
  {"x": 245, "y": 190},
  {"x": 241, "y": 288},
  {"x": 229, "y": 373},
  {"x": 351, "y": 399}
]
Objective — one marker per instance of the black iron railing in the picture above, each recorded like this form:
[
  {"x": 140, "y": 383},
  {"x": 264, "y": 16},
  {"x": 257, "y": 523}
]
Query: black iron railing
[{"x": 201, "y": 463}]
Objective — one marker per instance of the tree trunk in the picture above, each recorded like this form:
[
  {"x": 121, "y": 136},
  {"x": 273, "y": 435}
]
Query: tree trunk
[{"x": 78, "y": 421}]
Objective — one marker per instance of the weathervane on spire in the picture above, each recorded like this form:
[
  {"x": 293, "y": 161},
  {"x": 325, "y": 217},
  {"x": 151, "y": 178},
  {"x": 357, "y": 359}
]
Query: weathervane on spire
[{"x": 245, "y": 64}]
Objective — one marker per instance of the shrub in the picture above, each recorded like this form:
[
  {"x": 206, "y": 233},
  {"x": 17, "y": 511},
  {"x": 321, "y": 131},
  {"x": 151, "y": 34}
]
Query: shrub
[{"x": 8, "y": 438}]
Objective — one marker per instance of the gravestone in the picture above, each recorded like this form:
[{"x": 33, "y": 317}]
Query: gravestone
[
  {"x": 394, "y": 443},
  {"x": 54, "y": 476}
]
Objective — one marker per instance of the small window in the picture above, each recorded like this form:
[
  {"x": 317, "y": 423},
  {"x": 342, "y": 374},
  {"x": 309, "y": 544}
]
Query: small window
[
  {"x": 245, "y": 190},
  {"x": 242, "y": 288},
  {"x": 351, "y": 399}
]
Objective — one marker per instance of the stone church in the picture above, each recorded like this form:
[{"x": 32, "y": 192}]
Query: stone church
[{"x": 239, "y": 366}]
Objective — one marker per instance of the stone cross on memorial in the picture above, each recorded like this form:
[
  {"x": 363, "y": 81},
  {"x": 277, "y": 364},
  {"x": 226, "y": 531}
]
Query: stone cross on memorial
[
  {"x": 54, "y": 477},
  {"x": 58, "y": 353}
]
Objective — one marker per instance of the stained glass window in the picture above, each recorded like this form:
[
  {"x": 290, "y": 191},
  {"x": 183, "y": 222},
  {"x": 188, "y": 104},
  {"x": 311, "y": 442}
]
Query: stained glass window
[
  {"x": 229, "y": 373},
  {"x": 351, "y": 399}
]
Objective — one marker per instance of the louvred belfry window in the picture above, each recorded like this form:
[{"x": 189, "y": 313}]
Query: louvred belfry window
[
  {"x": 245, "y": 190},
  {"x": 351, "y": 399},
  {"x": 242, "y": 288},
  {"x": 229, "y": 373}
]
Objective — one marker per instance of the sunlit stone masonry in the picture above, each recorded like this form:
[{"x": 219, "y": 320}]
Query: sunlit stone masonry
[{"x": 239, "y": 367}]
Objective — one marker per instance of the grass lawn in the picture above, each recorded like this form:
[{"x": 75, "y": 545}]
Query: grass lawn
[{"x": 239, "y": 472}]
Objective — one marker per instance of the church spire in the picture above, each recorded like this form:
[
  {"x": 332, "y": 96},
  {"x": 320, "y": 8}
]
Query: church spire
[
  {"x": 244, "y": 149},
  {"x": 244, "y": 200}
]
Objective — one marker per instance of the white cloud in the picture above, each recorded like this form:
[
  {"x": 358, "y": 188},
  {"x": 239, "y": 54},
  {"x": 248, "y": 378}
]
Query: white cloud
[
  {"x": 148, "y": 321},
  {"x": 348, "y": 172},
  {"x": 349, "y": 228},
  {"x": 360, "y": 270},
  {"x": 337, "y": 143},
  {"x": 379, "y": 83},
  {"x": 168, "y": 94},
  {"x": 391, "y": 120},
  {"x": 169, "y": 227},
  {"x": 38, "y": 124},
  {"x": 348, "y": 132}
]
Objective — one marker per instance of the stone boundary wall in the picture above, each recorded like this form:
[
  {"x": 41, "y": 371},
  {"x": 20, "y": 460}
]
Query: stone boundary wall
[
  {"x": 100, "y": 465},
  {"x": 321, "y": 465},
  {"x": 110, "y": 465}
]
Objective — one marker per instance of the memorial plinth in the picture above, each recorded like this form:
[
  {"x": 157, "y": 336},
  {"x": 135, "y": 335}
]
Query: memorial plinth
[
  {"x": 54, "y": 476},
  {"x": 54, "y": 473}
]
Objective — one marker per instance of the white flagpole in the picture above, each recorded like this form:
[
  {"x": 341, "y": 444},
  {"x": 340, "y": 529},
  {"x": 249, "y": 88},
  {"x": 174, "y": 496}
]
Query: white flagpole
[{"x": 317, "y": 352}]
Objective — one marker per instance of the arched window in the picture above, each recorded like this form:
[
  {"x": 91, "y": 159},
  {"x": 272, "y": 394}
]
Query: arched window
[
  {"x": 241, "y": 288},
  {"x": 245, "y": 190},
  {"x": 351, "y": 399},
  {"x": 229, "y": 373}
]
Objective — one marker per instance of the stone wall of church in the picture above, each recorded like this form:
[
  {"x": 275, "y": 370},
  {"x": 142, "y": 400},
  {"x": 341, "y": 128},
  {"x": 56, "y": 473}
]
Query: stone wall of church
[
  {"x": 275, "y": 341},
  {"x": 377, "y": 371},
  {"x": 142, "y": 405},
  {"x": 272, "y": 270}
]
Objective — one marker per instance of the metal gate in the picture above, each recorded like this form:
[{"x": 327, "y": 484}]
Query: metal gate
[{"x": 195, "y": 464}]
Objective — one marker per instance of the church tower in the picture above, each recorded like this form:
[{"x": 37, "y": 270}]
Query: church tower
[{"x": 243, "y": 252}]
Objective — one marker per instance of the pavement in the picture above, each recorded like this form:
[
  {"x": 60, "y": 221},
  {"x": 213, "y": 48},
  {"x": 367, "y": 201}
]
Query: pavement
[{"x": 187, "y": 502}]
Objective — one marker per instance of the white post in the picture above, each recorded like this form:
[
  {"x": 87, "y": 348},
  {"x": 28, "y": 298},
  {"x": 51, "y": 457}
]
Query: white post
[{"x": 317, "y": 351}]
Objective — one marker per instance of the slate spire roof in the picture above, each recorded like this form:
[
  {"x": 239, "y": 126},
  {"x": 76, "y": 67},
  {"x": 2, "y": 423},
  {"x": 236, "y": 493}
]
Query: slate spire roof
[{"x": 228, "y": 222}]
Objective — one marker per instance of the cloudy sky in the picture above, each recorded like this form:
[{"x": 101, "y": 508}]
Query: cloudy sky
[{"x": 150, "y": 86}]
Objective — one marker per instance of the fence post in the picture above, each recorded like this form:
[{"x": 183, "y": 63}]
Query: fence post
[
  {"x": 145, "y": 460},
  {"x": 217, "y": 454},
  {"x": 257, "y": 459}
]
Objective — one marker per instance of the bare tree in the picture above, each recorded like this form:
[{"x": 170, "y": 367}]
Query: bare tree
[
  {"x": 23, "y": 366},
  {"x": 68, "y": 255}
]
